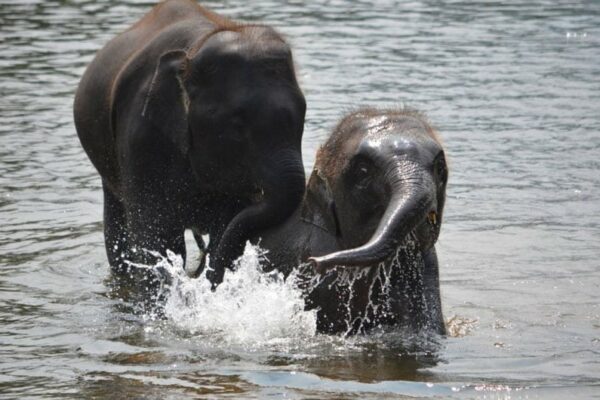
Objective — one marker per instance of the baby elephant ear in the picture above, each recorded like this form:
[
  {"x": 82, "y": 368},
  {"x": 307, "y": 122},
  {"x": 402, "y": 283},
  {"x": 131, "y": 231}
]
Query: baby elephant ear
[
  {"x": 167, "y": 102},
  {"x": 319, "y": 207}
]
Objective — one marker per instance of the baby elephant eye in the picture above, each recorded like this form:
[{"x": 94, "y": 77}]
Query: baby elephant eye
[
  {"x": 362, "y": 174},
  {"x": 361, "y": 168}
]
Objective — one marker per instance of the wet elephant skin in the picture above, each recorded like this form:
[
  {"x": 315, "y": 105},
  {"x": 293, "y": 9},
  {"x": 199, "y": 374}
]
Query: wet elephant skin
[{"x": 193, "y": 121}]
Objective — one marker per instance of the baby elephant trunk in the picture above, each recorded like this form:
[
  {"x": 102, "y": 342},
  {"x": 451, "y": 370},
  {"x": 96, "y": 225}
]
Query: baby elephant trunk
[
  {"x": 283, "y": 182},
  {"x": 412, "y": 195}
]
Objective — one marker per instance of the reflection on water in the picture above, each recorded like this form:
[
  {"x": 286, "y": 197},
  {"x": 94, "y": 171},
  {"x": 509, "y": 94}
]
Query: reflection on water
[{"x": 512, "y": 88}]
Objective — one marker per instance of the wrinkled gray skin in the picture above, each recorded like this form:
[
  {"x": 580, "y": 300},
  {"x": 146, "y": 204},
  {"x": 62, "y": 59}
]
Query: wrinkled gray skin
[
  {"x": 376, "y": 195},
  {"x": 192, "y": 121}
]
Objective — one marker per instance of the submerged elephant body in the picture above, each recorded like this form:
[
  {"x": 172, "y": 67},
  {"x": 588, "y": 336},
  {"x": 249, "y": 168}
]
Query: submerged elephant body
[
  {"x": 192, "y": 121},
  {"x": 368, "y": 224}
]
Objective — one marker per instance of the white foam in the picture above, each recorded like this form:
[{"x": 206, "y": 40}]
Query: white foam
[{"x": 249, "y": 308}]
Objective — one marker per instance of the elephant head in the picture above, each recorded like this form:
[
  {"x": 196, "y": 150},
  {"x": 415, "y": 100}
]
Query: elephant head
[
  {"x": 380, "y": 179},
  {"x": 237, "y": 112}
]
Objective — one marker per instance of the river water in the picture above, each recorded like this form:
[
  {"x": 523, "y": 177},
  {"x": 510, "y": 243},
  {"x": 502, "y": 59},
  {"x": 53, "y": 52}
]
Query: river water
[{"x": 514, "y": 90}]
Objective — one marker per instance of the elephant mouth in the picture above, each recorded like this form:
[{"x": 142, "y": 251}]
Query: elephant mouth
[
  {"x": 416, "y": 242},
  {"x": 428, "y": 231},
  {"x": 420, "y": 239}
]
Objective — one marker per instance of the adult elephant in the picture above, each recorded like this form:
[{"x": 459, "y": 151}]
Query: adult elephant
[
  {"x": 193, "y": 121},
  {"x": 373, "y": 208}
]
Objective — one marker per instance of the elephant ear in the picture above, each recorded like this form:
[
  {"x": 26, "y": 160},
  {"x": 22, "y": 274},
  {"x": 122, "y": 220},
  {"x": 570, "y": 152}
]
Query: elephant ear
[
  {"x": 162, "y": 98},
  {"x": 167, "y": 103},
  {"x": 319, "y": 208}
]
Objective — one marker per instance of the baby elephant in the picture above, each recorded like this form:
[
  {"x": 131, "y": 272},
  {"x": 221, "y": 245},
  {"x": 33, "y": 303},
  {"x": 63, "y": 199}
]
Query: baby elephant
[{"x": 368, "y": 223}]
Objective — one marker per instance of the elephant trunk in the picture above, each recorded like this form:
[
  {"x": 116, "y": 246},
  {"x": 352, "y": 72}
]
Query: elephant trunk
[
  {"x": 412, "y": 194},
  {"x": 283, "y": 184}
]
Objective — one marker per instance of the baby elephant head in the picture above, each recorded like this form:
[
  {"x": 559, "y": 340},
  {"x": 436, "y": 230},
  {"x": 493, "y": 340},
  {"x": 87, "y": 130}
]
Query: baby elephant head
[{"x": 381, "y": 181}]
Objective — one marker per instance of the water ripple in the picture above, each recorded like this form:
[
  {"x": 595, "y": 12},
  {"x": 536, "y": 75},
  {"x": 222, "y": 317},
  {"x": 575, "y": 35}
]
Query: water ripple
[{"x": 513, "y": 89}]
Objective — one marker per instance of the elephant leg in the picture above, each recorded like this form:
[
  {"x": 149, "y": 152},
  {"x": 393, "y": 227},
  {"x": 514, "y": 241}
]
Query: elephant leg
[
  {"x": 215, "y": 276},
  {"x": 432, "y": 291},
  {"x": 153, "y": 233},
  {"x": 215, "y": 224},
  {"x": 132, "y": 229},
  {"x": 116, "y": 238},
  {"x": 217, "y": 227},
  {"x": 153, "y": 230}
]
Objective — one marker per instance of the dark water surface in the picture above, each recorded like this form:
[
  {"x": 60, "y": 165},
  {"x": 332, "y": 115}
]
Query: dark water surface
[{"x": 514, "y": 89}]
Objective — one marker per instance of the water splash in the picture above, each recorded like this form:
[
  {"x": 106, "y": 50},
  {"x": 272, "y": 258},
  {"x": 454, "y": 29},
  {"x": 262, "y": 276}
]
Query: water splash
[
  {"x": 250, "y": 308},
  {"x": 372, "y": 296}
]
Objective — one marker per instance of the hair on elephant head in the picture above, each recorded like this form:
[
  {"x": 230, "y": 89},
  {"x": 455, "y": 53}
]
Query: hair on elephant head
[
  {"x": 202, "y": 130},
  {"x": 368, "y": 224}
]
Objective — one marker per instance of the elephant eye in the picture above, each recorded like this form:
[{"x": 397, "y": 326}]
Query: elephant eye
[{"x": 362, "y": 174}]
